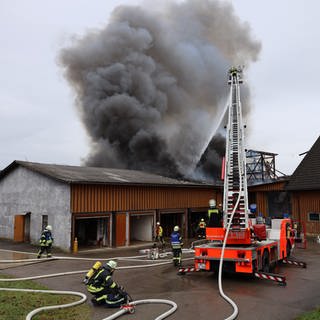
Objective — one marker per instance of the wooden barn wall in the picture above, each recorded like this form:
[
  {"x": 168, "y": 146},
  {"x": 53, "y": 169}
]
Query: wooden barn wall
[
  {"x": 106, "y": 198},
  {"x": 303, "y": 203},
  {"x": 262, "y": 203},
  {"x": 276, "y": 186}
]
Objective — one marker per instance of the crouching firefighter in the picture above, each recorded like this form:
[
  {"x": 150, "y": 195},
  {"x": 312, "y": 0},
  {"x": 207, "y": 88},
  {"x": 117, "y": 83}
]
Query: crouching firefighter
[{"x": 100, "y": 284}]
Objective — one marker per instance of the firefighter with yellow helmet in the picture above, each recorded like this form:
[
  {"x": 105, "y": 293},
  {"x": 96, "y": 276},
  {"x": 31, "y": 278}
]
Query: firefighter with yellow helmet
[
  {"x": 202, "y": 229},
  {"x": 159, "y": 234},
  {"x": 100, "y": 284}
]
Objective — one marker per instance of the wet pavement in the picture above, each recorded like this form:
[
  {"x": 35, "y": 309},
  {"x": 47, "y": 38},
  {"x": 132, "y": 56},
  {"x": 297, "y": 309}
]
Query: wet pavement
[{"x": 196, "y": 294}]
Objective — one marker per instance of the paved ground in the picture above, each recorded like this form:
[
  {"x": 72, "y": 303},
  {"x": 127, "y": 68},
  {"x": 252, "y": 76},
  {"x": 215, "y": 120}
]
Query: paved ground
[{"x": 196, "y": 294}]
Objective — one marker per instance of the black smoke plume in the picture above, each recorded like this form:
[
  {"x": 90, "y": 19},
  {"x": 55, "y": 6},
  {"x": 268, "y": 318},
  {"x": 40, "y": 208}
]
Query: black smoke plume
[{"x": 151, "y": 85}]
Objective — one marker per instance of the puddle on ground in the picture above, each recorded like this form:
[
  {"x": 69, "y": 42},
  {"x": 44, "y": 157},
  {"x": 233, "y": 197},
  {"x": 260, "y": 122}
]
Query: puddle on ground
[{"x": 14, "y": 256}]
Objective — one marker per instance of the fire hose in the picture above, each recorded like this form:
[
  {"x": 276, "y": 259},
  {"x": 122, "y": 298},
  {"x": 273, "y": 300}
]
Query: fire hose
[
  {"x": 146, "y": 301},
  {"x": 46, "y": 308},
  {"x": 129, "y": 307},
  {"x": 224, "y": 296}
]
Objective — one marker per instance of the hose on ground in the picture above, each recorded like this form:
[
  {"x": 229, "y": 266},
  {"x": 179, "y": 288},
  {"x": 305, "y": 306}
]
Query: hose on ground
[
  {"x": 147, "y": 301},
  {"x": 84, "y": 297},
  {"x": 81, "y": 271},
  {"x": 46, "y": 308}
]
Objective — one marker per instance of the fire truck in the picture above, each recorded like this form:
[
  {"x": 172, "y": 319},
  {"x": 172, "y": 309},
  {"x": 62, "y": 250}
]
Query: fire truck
[{"x": 243, "y": 243}]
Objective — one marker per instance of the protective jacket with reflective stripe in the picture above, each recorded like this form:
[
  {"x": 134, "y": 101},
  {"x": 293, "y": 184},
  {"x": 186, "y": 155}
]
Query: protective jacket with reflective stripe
[
  {"x": 212, "y": 211},
  {"x": 46, "y": 238},
  {"x": 202, "y": 224},
  {"x": 159, "y": 231},
  {"x": 102, "y": 281},
  {"x": 214, "y": 217},
  {"x": 176, "y": 240}
]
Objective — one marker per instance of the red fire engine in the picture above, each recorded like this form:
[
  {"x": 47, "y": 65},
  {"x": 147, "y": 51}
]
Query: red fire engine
[{"x": 243, "y": 245}]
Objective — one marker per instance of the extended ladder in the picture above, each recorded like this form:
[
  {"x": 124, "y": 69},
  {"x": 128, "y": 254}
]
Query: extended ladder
[{"x": 235, "y": 182}]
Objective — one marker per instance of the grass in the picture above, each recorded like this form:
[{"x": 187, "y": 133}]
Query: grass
[
  {"x": 313, "y": 315},
  {"x": 16, "y": 305}
]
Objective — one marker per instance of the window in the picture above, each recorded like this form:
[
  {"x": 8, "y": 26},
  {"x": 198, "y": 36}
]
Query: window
[{"x": 314, "y": 216}]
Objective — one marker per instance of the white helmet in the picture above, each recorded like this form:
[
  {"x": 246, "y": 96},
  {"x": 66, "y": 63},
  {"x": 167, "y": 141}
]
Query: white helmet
[
  {"x": 48, "y": 227},
  {"x": 158, "y": 223},
  {"x": 176, "y": 228},
  {"x": 202, "y": 220},
  {"x": 111, "y": 264},
  {"x": 212, "y": 203}
]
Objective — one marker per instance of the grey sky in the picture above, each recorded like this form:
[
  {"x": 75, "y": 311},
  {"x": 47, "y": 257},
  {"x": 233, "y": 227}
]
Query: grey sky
[{"x": 39, "y": 121}]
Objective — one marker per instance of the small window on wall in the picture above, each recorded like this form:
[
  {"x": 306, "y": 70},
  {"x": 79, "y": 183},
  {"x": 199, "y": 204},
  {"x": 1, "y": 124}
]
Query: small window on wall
[
  {"x": 314, "y": 216},
  {"x": 44, "y": 221}
]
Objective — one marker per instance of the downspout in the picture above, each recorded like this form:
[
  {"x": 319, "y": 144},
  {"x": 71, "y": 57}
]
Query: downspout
[
  {"x": 113, "y": 224},
  {"x": 127, "y": 242}
]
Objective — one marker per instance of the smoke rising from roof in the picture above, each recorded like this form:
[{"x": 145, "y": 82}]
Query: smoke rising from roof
[{"x": 151, "y": 85}]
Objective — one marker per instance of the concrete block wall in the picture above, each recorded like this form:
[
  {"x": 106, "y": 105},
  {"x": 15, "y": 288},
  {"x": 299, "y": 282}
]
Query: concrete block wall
[{"x": 22, "y": 191}]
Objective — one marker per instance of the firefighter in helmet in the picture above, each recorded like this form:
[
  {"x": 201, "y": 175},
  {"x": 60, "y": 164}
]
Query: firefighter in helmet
[
  {"x": 159, "y": 234},
  {"x": 202, "y": 229},
  {"x": 46, "y": 241},
  {"x": 214, "y": 215},
  {"x": 176, "y": 245},
  {"x": 105, "y": 290}
]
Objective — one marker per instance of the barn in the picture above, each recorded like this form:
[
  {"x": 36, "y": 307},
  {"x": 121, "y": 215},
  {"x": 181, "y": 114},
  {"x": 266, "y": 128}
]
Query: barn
[
  {"x": 304, "y": 186},
  {"x": 297, "y": 195},
  {"x": 98, "y": 206},
  {"x": 272, "y": 199}
]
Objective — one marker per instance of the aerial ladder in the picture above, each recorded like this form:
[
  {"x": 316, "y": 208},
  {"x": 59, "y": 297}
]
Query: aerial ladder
[
  {"x": 235, "y": 196},
  {"x": 244, "y": 245},
  {"x": 235, "y": 200}
]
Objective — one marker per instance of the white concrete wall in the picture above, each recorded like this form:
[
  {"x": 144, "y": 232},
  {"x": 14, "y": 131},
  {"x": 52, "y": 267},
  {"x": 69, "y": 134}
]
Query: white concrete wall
[
  {"x": 141, "y": 228},
  {"x": 22, "y": 191}
]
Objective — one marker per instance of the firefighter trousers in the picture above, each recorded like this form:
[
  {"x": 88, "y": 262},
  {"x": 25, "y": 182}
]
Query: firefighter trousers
[
  {"x": 46, "y": 249},
  {"x": 177, "y": 253}
]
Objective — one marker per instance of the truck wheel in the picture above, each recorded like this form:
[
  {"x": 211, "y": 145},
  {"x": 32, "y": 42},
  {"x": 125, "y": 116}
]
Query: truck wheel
[{"x": 265, "y": 261}]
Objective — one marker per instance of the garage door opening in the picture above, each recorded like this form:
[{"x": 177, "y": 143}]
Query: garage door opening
[
  {"x": 278, "y": 203},
  {"x": 169, "y": 220},
  {"x": 141, "y": 228},
  {"x": 92, "y": 232},
  {"x": 194, "y": 219}
]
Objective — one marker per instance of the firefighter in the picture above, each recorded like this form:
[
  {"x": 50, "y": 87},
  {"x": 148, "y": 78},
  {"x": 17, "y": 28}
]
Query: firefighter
[
  {"x": 105, "y": 291},
  {"x": 159, "y": 234},
  {"x": 176, "y": 245},
  {"x": 233, "y": 71},
  {"x": 46, "y": 241},
  {"x": 214, "y": 215},
  {"x": 201, "y": 229}
]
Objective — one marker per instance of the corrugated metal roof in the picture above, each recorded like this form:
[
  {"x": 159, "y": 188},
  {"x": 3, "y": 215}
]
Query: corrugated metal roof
[
  {"x": 307, "y": 174},
  {"x": 92, "y": 175}
]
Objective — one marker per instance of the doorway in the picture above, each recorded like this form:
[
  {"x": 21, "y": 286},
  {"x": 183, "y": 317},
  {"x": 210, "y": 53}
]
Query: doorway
[
  {"x": 141, "y": 227},
  {"x": 92, "y": 232},
  {"x": 22, "y": 227},
  {"x": 170, "y": 219}
]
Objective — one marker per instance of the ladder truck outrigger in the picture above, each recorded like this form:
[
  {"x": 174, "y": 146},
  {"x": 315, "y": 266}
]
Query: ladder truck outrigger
[{"x": 250, "y": 247}]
